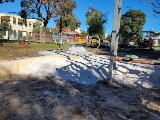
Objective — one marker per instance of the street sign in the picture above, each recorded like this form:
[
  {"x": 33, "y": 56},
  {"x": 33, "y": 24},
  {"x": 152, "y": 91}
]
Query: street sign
[{"x": 57, "y": 37}]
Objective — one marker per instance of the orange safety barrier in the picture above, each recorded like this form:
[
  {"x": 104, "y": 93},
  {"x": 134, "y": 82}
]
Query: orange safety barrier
[{"x": 136, "y": 61}]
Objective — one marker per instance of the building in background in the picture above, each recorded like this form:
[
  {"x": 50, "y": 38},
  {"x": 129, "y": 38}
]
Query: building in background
[
  {"x": 19, "y": 28},
  {"x": 156, "y": 39}
]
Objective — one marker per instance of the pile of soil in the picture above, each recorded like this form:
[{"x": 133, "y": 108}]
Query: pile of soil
[{"x": 49, "y": 98}]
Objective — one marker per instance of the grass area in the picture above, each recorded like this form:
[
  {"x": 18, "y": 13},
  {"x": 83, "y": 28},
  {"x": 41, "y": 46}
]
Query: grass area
[
  {"x": 9, "y": 51},
  {"x": 156, "y": 47}
]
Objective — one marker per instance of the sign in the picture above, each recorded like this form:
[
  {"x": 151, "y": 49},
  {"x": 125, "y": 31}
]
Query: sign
[{"x": 57, "y": 37}]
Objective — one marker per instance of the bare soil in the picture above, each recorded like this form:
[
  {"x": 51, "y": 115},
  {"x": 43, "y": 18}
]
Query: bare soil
[
  {"x": 13, "y": 51},
  {"x": 49, "y": 98},
  {"x": 17, "y": 51},
  {"x": 141, "y": 53}
]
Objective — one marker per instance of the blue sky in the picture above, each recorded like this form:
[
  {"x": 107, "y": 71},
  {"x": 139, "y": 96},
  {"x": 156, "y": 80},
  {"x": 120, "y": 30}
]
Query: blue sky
[{"x": 152, "y": 22}]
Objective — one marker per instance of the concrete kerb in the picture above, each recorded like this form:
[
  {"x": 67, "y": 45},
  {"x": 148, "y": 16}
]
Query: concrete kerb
[{"x": 14, "y": 66}]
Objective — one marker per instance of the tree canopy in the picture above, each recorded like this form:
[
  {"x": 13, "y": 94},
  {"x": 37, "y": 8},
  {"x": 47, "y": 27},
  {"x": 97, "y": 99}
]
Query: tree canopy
[
  {"x": 44, "y": 9},
  {"x": 109, "y": 37},
  {"x": 4, "y": 26},
  {"x": 47, "y": 9},
  {"x": 64, "y": 14},
  {"x": 96, "y": 21},
  {"x": 60, "y": 10},
  {"x": 132, "y": 22},
  {"x": 84, "y": 33}
]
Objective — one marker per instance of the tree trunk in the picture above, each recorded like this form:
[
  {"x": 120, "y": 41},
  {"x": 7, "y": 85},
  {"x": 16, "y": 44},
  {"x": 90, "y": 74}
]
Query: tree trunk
[{"x": 43, "y": 35}]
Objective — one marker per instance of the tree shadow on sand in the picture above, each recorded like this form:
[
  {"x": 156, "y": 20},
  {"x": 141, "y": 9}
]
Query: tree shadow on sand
[{"x": 49, "y": 98}]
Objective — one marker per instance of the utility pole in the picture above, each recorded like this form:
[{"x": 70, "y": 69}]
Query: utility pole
[
  {"x": 87, "y": 15},
  {"x": 115, "y": 36}
]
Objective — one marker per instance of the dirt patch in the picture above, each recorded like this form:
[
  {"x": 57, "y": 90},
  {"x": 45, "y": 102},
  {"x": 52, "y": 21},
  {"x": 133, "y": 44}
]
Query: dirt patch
[
  {"x": 13, "y": 51},
  {"x": 28, "y": 97},
  {"x": 141, "y": 53}
]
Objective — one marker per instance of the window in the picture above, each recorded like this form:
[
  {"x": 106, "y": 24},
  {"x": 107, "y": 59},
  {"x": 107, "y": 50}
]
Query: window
[
  {"x": 14, "y": 22},
  {"x": 158, "y": 41},
  {"x": 20, "y": 23}
]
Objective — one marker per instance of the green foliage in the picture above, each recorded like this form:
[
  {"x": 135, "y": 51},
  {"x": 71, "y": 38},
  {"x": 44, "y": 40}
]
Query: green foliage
[
  {"x": 132, "y": 22},
  {"x": 64, "y": 14},
  {"x": 36, "y": 30},
  {"x": 96, "y": 21},
  {"x": 51, "y": 9},
  {"x": 24, "y": 37},
  {"x": 4, "y": 26},
  {"x": 84, "y": 33},
  {"x": 1, "y": 36},
  {"x": 109, "y": 38}
]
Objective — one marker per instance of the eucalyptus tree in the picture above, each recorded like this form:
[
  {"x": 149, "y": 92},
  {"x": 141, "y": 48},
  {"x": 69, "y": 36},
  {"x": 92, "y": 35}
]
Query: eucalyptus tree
[
  {"x": 84, "y": 33},
  {"x": 65, "y": 16},
  {"x": 96, "y": 21},
  {"x": 5, "y": 26},
  {"x": 60, "y": 10},
  {"x": 43, "y": 9}
]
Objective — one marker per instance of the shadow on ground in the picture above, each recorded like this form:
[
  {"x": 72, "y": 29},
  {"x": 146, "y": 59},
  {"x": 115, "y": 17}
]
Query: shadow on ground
[{"x": 49, "y": 98}]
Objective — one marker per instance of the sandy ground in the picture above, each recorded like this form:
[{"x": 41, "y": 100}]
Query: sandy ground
[
  {"x": 29, "y": 97},
  {"x": 49, "y": 98}
]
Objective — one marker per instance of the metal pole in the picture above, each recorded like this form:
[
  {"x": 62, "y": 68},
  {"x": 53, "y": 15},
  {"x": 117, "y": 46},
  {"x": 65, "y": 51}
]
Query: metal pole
[
  {"x": 117, "y": 28},
  {"x": 115, "y": 31}
]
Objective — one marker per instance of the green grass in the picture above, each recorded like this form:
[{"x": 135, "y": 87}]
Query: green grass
[
  {"x": 9, "y": 51},
  {"x": 156, "y": 47},
  {"x": 48, "y": 46}
]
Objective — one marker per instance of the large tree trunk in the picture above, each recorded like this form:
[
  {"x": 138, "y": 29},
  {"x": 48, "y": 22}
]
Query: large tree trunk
[{"x": 43, "y": 35}]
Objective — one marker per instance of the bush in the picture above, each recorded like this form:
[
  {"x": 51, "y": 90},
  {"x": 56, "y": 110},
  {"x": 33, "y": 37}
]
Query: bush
[
  {"x": 24, "y": 37},
  {"x": 1, "y": 36}
]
